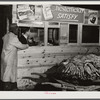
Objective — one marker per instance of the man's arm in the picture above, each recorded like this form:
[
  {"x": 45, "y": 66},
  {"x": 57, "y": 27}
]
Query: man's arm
[{"x": 15, "y": 42}]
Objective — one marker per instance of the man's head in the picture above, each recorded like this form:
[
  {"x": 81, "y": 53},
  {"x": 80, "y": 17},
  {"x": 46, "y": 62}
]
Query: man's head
[
  {"x": 29, "y": 32},
  {"x": 25, "y": 30},
  {"x": 14, "y": 28}
]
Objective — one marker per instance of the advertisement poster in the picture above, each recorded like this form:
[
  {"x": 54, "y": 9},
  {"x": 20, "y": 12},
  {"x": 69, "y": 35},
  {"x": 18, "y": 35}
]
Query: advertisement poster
[
  {"x": 92, "y": 17},
  {"x": 63, "y": 14},
  {"x": 38, "y": 12},
  {"x": 47, "y": 12},
  {"x": 28, "y": 13}
]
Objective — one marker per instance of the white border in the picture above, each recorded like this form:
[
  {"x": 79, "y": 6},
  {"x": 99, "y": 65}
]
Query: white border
[
  {"x": 53, "y": 94},
  {"x": 50, "y": 95},
  {"x": 52, "y": 2}
]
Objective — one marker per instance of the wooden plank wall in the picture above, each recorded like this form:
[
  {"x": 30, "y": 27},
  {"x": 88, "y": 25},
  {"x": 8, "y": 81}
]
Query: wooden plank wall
[{"x": 39, "y": 59}]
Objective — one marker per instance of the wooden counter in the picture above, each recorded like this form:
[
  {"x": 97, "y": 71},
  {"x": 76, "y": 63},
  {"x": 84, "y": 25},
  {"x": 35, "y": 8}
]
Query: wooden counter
[{"x": 39, "y": 59}]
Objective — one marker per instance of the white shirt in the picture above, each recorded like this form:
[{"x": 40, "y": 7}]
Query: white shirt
[{"x": 24, "y": 35}]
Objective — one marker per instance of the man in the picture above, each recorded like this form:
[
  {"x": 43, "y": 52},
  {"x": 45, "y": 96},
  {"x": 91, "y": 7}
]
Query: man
[
  {"x": 23, "y": 36},
  {"x": 9, "y": 58},
  {"x": 33, "y": 38},
  {"x": 28, "y": 35}
]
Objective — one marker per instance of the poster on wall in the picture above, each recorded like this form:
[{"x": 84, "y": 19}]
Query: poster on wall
[
  {"x": 38, "y": 12},
  {"x": 47, "y": 12},
  {"x": 92, "y": 17},
  {"x": 63, "y": 13},
  {"x": 27, "y": 13}
]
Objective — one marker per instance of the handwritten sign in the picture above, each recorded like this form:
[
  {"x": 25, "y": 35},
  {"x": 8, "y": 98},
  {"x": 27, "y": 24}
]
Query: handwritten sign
[{"x": 64, "y": 14}]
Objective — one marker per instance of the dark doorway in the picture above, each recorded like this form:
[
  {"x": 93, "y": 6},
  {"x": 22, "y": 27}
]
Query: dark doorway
[
  {"x": 5, "y": 13},
  {"x": 90, "y": 34},
  {"x": 73, "y": 33}
]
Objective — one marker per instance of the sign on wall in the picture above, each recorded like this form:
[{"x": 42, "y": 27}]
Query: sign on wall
[
  {"x": 92, "y": 17},
  {"x": 26, "y": 13},
  {"x": 35, "y": 13},
  {"x": 63, "y": 14}
]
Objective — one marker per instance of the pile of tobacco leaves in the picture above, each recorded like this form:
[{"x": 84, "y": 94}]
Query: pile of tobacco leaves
[{"x": 80, "y": 69}]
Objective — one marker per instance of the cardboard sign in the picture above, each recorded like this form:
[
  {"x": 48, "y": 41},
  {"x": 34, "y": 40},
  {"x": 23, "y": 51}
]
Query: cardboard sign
[
  {"x": 63, "y": 14},
  {"x": 25, "y": 12},
  {"x": 47, "y": 12},
  {"x": 92, "y": 17}
]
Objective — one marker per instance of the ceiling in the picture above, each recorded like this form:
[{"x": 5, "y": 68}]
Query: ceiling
[{"x": 93, "y": 7}]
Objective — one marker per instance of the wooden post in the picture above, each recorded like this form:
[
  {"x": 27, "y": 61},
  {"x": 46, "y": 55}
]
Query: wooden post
[
  {"x": 7, "y": 25},
  {"x": 45, "y": 33},
  {"x": 79, "y": 34}
]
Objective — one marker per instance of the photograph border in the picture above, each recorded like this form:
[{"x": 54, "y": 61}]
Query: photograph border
[{"x": 48, "y": 94}]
